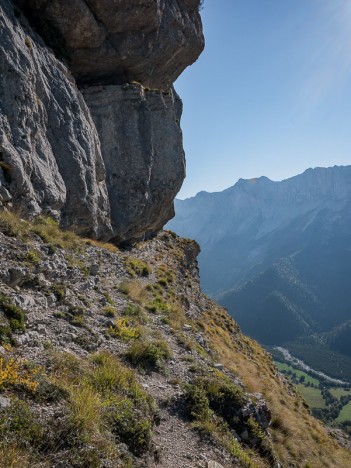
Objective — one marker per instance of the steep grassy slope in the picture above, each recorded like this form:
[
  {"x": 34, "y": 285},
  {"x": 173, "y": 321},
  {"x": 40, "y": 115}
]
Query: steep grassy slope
[
  {"x": 298, "y": 438},
  {"x": 116, "y": 358}
]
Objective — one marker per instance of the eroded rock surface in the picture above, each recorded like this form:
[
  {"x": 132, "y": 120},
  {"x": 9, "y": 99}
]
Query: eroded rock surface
[
  {"x": 143, "y": 154},
  {"x": 124, "y": 56},
  {"x": 151, "y": 41},
  {"x": 50, "y": 158}
]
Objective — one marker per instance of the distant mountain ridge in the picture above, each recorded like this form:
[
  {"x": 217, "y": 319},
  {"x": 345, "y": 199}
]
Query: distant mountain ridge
[
  {"x": 258, "y": 219},
  {"x": 278, "y": 254}
]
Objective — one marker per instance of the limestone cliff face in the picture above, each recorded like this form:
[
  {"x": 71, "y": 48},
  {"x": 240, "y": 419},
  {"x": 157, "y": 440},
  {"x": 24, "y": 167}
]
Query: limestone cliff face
[
  {"x": 146, "y": 167},
  {"x": 50, "y": 156},
  {"x": 108, "y": 164}
]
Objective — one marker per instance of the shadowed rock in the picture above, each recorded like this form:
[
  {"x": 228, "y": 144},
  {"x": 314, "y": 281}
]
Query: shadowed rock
[{"x": 151, "y": 41}]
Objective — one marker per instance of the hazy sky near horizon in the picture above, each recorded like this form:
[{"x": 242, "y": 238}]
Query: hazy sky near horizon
[{"x": 271, "y": 93}]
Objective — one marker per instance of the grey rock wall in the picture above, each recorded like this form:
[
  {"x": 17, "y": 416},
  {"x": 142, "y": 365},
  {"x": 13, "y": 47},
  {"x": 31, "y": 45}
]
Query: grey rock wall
[
  {"x": 50, "y": 158},
  {"x": 108, "y": 164},
  {"x": 143, "y": 153}
]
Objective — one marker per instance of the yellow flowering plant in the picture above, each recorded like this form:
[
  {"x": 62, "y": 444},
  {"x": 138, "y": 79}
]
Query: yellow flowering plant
[{"x": 14, "y": 373}]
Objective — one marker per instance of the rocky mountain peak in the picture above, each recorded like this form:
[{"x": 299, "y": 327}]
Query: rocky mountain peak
[{"x": 236, "y": 227}]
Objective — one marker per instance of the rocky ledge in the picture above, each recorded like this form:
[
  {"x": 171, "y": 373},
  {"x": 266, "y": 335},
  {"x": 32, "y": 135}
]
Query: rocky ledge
[{"x": 151, "y": 41}]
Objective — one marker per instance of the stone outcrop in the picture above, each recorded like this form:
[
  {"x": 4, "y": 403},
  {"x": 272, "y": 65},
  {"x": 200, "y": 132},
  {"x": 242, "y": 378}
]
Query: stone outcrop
[
  {"x": 114, "y": 157},
  {"x": 143, "y": 154},
  {"x": 50, "y": 158},
  {"x": 151, "y": 41}
]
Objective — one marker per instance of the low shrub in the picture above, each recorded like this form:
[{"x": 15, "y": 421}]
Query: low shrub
[
  {"x": 197, "y": 402},
  {"x": 13, "y": 313},
  {"x": 59, "y": 291},
  {"x": 124, "y": 329},
  {"x": 158, "y": 305},
  {"x": 149, "y": 354},
  {"x": 109, "y": 311},
  {"x": 260, "y": 440},
  {"x": 226, "y": 399},
  {"x": 136, "y": 267},
  {"x": 16, "y": 373},
  {"x": 135, "y": 312},
  {"x": 32, "y": 256},
  {"x": 130, "y": 428},
  {"x": 132, "y": 310},
  {"x": 49, "y": 392},
  {"x": 155, "y": 288},
  {"x": 164, "y": 275},
  {"x": 18, "y": 425},
  {"x": 214, "y": 405},
  {"x": 223, "y": 397},
  {"x": 6, "y": 334},
  {"x": 75, "y": 316}
]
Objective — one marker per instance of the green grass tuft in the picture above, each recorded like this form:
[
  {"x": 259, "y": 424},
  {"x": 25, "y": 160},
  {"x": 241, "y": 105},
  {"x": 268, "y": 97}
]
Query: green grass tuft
[{"x": 149, "y": 354}]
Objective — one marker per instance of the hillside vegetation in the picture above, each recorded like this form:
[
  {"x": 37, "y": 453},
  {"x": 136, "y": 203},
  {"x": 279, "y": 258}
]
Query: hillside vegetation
[{"x": 114, "y": 357}]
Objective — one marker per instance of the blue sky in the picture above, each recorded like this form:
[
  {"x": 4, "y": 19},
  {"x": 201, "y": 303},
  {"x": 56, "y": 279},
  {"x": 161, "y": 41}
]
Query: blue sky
[{"x": 271, "y": 93}]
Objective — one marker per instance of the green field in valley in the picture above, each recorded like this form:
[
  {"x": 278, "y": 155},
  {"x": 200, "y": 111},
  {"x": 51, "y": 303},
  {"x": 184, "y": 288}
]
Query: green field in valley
[
  {"x": 339, "y": 392},
  {"x": 345, "y": 413},
  {"x": 324, "y": 408},
  {"x": 313, "y": 396},
  {"x": 286, "y": 367}
]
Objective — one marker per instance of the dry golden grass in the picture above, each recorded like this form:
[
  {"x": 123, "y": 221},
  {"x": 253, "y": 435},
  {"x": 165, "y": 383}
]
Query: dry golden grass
[
  {"x": 44, "y": 227},
  {"x": 99, "y": 387},
  {"x": 85, "y": 408},
  {"x": 102, "y": 245},
  {"x": 299, "y": 439},
  {"x": 134, "y": 290},
  {"x": 13, "y": 457}
]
